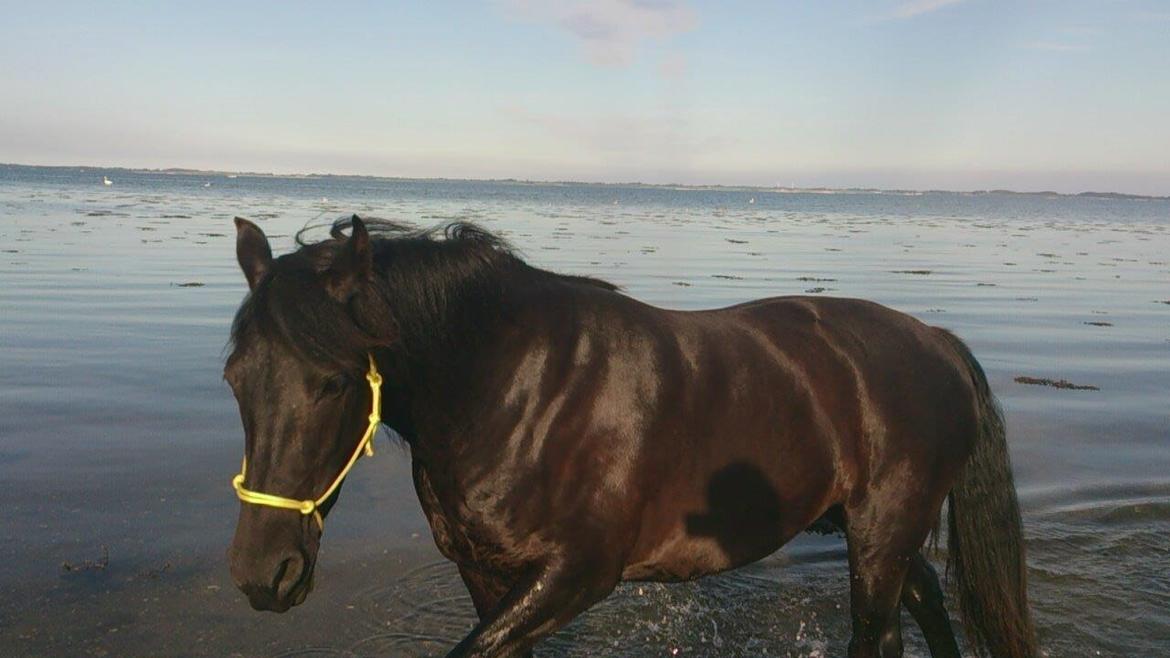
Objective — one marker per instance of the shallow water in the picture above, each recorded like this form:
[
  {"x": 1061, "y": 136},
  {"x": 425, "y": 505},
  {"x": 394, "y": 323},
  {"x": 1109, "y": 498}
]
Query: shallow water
[{"x": 118, "y": 437}]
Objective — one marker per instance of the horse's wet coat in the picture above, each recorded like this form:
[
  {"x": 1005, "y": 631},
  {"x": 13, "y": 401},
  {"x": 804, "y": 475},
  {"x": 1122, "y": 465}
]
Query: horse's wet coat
[{"x": 565, "y": 436}]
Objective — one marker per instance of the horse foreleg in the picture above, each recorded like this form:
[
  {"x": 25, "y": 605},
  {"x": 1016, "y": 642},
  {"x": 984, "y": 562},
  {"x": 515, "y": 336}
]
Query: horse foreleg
[
  {"x": 923, "y": 597},
  {"x": 486, "y": 592},
  {"x": 534, "y": 607}
]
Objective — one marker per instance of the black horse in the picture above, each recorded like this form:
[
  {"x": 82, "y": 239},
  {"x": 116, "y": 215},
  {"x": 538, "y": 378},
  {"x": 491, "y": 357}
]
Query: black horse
[{"x": 566, "y": 437}]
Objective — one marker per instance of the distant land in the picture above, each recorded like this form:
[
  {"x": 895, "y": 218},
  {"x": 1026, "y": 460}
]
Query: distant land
[{"x": 780, "y": 189}]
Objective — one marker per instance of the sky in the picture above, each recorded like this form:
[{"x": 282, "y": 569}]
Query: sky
[{"x": 1068, "y": 95}]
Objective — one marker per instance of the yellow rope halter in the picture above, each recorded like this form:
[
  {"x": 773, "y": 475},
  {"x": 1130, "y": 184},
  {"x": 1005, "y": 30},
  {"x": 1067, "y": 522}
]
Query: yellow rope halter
[{"x": 307, "y": 507}]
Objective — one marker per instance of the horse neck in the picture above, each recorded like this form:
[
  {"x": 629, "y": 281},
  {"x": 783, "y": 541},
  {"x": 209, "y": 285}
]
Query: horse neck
[{"x": 445, "y": 307}]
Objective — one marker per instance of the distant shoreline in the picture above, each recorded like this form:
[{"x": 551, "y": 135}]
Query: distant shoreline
[{"x": 181, "y": 171}]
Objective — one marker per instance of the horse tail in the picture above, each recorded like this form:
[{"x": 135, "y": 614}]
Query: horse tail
[{"x": 985, "y": 539}]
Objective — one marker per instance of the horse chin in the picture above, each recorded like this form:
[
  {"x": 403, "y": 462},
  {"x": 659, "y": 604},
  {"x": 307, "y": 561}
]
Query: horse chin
[
  {"x": 303, "y": 593},
  {"x": 265, "y": 602},
  {"x": 298, "y": 595}
]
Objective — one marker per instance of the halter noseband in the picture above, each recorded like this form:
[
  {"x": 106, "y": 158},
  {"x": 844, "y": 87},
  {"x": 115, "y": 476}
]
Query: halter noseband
[{"x": 307, "y": 507}]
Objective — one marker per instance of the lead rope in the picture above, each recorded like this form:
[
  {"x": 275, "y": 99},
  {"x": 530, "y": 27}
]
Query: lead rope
[{"x": 307, "y": 507}]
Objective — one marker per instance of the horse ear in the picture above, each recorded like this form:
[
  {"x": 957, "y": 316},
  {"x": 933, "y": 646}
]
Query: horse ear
[
  {"x": 352, "y": 267},
  {"x": 252, "y": 251}
]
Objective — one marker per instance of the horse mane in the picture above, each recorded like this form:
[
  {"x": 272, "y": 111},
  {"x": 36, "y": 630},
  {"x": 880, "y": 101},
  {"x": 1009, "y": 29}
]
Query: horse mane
[
  {"x": 423, "y": 278},
  {"x": 472, "y": 246}
]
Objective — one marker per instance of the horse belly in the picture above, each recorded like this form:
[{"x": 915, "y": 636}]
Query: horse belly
[{"x": 739, "y": 519}]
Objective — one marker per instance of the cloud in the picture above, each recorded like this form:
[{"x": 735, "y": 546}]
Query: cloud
[
  {"x": 1057, "y": 46},
  {"x": 611, "y": 31},
  {"x": 1067, "y": 39},
  {"x": 609, "y": 133},
  {"x": 1156, "y": 16},
  {"x": 1080, "y": 31},
  {"x": 912, "y": 8},
  {"x": 673, "y": 66},
  {"x": 632, "y": 138}
]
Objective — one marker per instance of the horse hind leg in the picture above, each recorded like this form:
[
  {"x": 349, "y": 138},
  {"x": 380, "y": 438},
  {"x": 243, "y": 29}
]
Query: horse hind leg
[
  {"x": 883, "y": 541},
  {"x": 923, "y": 597}
]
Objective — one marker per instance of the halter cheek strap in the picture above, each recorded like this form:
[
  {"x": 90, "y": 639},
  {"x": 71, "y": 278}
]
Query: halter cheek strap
[{"x": 307, "y": 507}]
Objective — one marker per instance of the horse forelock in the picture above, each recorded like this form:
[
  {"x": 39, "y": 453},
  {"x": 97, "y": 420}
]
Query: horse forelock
[{"x": 290, "y": 306}]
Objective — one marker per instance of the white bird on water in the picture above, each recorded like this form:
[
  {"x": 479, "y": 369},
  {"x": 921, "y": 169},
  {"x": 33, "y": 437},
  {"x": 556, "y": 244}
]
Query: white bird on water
[{"x": 106, "y": 181}]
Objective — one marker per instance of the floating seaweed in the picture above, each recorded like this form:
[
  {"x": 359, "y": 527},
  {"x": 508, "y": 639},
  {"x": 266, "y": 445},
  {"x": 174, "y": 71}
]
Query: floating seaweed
[{"x": 1055, "y": 383}]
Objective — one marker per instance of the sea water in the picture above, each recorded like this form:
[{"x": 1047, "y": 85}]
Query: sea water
[{"x": 118, "y": 437}]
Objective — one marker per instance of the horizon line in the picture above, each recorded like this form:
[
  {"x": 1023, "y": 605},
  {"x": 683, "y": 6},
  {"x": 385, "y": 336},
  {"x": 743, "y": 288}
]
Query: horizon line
[{"x": 189, "y": 171}]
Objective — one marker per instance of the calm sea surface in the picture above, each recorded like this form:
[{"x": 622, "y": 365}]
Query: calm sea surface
[{"x": 118, "y": 437}]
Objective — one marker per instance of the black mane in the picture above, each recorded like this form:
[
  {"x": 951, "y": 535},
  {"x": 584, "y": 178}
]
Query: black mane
[{"x": 424, "y": 280}]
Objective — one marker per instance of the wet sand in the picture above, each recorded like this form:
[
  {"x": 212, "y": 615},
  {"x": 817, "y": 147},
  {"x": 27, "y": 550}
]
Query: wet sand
[{"x": 118, "y": 439}]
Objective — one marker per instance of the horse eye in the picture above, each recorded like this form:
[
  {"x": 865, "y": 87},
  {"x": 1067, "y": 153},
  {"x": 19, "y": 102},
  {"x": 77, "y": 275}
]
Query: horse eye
[{"x": 334, "y": 386}]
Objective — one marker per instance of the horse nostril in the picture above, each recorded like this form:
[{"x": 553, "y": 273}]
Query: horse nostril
[{"x": 288, "y": 575}]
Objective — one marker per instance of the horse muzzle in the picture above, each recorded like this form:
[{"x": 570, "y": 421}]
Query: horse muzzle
[{"x": 276, "y": 584}]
